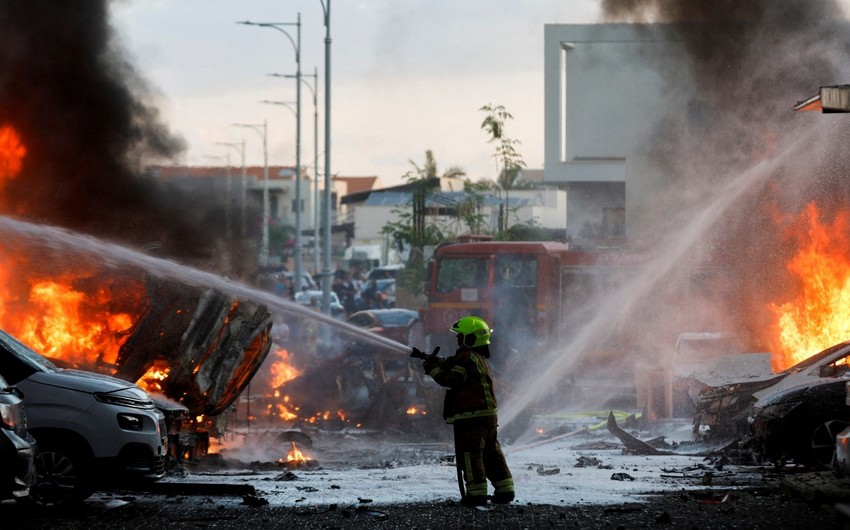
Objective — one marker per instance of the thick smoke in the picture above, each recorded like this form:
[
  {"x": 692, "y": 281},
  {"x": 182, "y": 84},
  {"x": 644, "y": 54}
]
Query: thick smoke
[
  {"x": 730, "y": 166},
  {"x": 86, "y": 120},
  {"x": 747, "y": 65}
]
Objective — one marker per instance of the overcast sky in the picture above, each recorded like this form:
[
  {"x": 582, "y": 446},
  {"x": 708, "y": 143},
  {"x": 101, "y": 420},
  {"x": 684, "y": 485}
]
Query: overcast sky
[{"x": 407, "y": 76}]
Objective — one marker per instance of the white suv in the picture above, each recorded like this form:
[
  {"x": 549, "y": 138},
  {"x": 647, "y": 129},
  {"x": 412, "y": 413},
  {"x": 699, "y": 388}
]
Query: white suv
[{"x": 91, "y": 429}]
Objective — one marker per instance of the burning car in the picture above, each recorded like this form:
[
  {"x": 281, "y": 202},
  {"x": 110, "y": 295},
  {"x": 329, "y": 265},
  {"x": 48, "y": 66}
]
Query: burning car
[
  {"x": 90, "y": 428},
  {"x": 723, "y": 409},
  {"x": 800, "y": 424}
]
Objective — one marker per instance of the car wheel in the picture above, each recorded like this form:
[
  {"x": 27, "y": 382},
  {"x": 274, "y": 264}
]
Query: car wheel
[
  {"x": 821, "y": 446},
  {"x": 63, "y": 472}
]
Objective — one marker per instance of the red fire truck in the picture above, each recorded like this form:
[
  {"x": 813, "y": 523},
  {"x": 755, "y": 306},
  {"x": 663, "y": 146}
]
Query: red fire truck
[{"x": 531, "y": 293}]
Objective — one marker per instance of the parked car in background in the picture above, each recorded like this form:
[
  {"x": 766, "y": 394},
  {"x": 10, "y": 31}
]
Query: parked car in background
[
  {"x": 314, "y": 299},
  {"x": 91, "y": 429},
  {"x": 385, "y": 296},
  {"x": 385, "y": 272},
  {"x": 17, "y": 446},
  {"x": 307, "y": 281},
  {"x": 723, "y": 409},
  {"x": 800, "y": 424},
  {"x": 400, "y": 325}
]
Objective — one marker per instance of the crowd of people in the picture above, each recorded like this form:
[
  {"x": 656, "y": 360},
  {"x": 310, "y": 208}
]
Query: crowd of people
[{"x": 354, "y": 291}]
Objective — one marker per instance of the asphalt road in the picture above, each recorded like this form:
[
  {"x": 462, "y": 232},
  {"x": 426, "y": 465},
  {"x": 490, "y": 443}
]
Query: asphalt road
[{"x": 766, "y": 507}]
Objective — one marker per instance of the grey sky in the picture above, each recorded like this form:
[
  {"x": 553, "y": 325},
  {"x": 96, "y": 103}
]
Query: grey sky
[{"x": 407, "y": 75}]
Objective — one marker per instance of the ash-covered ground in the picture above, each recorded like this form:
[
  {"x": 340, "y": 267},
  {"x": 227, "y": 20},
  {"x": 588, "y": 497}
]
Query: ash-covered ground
[{"x": 359, "y": 479}]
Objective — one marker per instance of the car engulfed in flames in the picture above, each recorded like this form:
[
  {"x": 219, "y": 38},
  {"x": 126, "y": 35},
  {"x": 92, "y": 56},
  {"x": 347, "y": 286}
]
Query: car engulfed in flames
[{"x": 795, "y": 412}]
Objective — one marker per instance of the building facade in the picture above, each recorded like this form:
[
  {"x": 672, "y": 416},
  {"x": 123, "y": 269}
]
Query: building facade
[{"x": 603, "y": 99}]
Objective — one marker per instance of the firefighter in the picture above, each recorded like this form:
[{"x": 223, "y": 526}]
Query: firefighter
[{"x": 470, "y": 407}]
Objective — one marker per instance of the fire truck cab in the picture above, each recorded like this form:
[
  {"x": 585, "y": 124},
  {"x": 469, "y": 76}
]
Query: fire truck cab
[{"x": 529, "y": 292}]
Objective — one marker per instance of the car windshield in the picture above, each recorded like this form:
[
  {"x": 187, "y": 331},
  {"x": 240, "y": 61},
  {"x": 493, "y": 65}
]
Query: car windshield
[
  {"x": 814, "y": 359},
  {"x": 396, "y": 318},
  {"x": 458, "y": 273}
]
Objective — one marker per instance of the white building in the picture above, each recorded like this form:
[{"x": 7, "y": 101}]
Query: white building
[
  {"x": 602, "y": 100},
  {"x": 545, "y": 207}
]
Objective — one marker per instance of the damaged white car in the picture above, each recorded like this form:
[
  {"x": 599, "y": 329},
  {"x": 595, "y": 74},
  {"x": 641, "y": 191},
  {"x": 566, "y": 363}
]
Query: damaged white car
[{"x": 724, "y": 406}]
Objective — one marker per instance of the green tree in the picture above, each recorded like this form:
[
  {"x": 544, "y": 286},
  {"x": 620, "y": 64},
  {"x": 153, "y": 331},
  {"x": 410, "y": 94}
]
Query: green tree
[
  {"x": 411, "y": 227},
  {"x": 429, "y": 170},
  {"x": 508, "y": 160}
]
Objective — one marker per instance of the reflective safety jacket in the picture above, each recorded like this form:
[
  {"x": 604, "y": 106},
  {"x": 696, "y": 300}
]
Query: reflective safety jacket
[{"x": 470, "y": 387}]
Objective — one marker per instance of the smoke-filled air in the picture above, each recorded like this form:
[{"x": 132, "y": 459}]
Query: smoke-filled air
[
  {"x": 743, "y": 201},
  {"x": 746, "y": 226}
]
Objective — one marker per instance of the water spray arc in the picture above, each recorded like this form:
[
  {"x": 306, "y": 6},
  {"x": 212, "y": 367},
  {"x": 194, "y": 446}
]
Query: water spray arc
[
  {"x": 114, "y": 255},
  {"x": 622, "y": 303}
]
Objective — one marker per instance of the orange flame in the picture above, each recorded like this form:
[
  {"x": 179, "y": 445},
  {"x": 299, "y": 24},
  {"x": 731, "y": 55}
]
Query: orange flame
[
  {"x": 12, "y": 153},
  {"x": 153, "y": 378},
  {"x": 58, "y": 326},
  {"x": 281, "y": 370},
  {"x": 78, "y": 316},
  {"x": 820, "y": 315},
  {"x": 295, "y": 456}
]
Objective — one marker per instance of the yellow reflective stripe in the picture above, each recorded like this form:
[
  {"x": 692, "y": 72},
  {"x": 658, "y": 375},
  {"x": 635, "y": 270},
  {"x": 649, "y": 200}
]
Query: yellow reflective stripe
[
  {"x": 476, "y": 490},
  {"x": 489, "y": 398},
  {"x": 460, "y": 370},
  {"x": 435, "y": 371},
  {"x": 504, "y": 486},
  {"x": 473, "y": 414}
]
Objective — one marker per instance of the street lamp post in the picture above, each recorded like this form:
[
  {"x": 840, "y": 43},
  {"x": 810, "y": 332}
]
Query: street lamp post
[
  {"x": 316, "y": 218},
  {"x": 228, "y": 232},
  {"x": 326, "y": 254},
  {"x": 240, "y": 147},
  {"x": 297, "y": 208},
  {"x": 264, "y": 244},
  {"x": 296, "y": 44}
]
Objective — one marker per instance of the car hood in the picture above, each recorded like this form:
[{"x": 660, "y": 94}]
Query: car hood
[
  {"x": 81, "y": 381},
  {"x": 744, "y": 388},
  {"x": 735, "y": 369}
]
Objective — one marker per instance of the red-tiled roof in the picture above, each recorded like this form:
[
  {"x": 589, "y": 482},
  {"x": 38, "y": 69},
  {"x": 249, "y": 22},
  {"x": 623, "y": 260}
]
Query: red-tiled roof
[
  {"x": 358, "y": 184},
  {"x": 217, "y": 171}
]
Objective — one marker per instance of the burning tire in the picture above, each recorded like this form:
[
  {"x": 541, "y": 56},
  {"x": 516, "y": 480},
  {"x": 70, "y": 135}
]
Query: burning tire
[{"x": 62, "y": 474}]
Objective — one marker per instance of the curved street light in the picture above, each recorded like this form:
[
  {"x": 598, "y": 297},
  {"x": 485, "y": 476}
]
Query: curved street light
[
  {"x": 296, "y": 44},
  {"x": 316, "y": 218},
  {"x": 240, "y": 147},
  {"x": 264, "y": 244},
  {"x": 327, "y": 272}
]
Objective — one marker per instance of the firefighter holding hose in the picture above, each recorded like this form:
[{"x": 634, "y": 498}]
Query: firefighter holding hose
[{"x": 470, "y": 407}]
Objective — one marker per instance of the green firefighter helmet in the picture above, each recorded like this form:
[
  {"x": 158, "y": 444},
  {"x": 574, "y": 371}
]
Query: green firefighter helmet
[{"x": 474, "y": 330}]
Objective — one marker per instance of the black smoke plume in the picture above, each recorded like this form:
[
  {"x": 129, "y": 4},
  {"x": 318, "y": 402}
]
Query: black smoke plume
[
  {"x": 88, "y": 124},
  {"x": 748, "y": 63}
]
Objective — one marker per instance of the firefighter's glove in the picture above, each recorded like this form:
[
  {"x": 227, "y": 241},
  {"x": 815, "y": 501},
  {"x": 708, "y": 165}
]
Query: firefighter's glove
[
  {"x": 429, "y": 364},
  {"x": 416, "y": 353}
]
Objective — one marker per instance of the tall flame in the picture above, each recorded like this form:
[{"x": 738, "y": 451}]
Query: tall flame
[
  {"x": 820, "y": 315},
  {"x": 12, "y": 153},
  {"x": 282, "y": 369}
]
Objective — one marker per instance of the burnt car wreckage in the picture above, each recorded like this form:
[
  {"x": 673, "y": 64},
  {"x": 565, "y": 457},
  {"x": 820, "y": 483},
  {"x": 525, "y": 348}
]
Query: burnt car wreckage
[
  {"x": 205, "y": 347},
  {"x": 207, "y": 344},
  {"x": 792, "y": 415}
]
